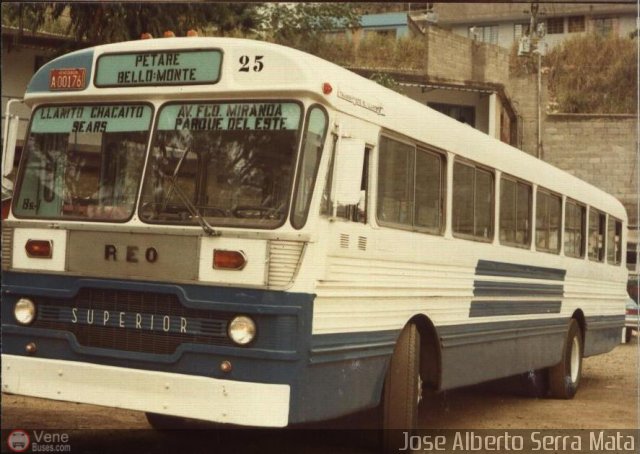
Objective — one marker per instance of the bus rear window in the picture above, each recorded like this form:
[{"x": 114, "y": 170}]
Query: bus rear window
[{"x": 83, "y": 162}]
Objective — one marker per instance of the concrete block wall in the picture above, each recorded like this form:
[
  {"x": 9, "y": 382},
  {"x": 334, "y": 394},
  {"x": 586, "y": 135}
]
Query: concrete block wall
[
  {"x": 600, "y": 149},
  {"x": 456, "y": 57}
]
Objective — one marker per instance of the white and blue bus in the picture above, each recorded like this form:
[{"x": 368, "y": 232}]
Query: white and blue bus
[{"x": 234, "y": 231}]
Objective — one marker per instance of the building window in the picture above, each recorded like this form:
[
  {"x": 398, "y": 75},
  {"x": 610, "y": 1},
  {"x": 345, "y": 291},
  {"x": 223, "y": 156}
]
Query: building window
[
  {"x": 515, "y": 212},
  {"x": 472, "y": 201},
  {"x": 555, "y": 25},
  {"x": 575, "y": 24},
  {"x": 632, "y": 256},
  {"x": 520, "y": 30},
  {"x": 410, "y": 187},
  {"x": 603, "y": 26},
  {"x": 548, "y": 213},
  {"x": 596, "y": 235},
  {"x": 39, "y": 61},
  {"x": 614, "y": 237},
  {"x": 385, "y": 33},
  {"x": 464, "y": 114},
  {"x": 574, "y": 227},
  {"x": 486, "y": 34}
]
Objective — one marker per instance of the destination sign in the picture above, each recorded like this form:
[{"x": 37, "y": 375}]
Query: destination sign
[
  {"x": 97, "y": 118},
  {"x": 158, "y": 68},
  {"x": 269, "y": 116}
]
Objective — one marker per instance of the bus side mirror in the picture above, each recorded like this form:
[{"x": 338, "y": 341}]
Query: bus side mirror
[
  {"x": 12, "y": 122},
  {"x": 348, "y": 172}
]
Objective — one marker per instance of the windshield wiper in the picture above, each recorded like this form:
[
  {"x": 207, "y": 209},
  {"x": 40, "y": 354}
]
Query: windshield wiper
[{"x": 206, "y": 227}]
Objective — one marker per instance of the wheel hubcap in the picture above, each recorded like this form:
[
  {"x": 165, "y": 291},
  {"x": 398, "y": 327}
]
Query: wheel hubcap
[{"x": 575, "y": 359}]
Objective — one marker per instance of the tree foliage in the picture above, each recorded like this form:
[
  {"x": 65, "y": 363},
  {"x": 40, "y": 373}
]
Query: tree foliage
[
  {"x": 103, "y": 22},
  {"x": 594, "y": 74},
  {"x": 303, "y": 24},
  {"x": 299, "y": 25}
]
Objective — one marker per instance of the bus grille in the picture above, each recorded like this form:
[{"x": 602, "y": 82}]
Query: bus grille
[{"x": 204, "y": 327}]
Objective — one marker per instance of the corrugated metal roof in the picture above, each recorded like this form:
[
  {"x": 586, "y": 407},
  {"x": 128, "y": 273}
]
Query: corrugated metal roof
[
  {"x": 383, "y": 19},
  {"x": 445, "y": 87}
]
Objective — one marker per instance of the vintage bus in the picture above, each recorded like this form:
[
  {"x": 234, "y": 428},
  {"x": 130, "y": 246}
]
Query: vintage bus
[{"x": 234, "y": 231}]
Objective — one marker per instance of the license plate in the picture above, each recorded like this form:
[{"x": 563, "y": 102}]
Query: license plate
[{"x": 67, "y": 79}]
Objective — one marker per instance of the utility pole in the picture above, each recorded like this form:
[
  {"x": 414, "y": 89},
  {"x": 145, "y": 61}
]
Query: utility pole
[{"x": 531, "y": 44}]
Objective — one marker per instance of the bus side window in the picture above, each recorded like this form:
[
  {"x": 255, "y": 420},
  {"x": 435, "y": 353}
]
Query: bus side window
[
  {"x": 355, "y": 213},
  {"x": 358, "y": 213},
  {"x": 596, "y": 235},
  {"x": 472, "y": 215},
  {"x": 548, "y": 210},
  {"x": 614, "y": 235}
]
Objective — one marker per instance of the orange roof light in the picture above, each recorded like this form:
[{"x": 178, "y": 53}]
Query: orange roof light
[
  {"x": 146, "y": 36},
  {"x": 169, "y": 34},
  {"x": 327, "y": 88},
  {"x": 192, "y": 33}
]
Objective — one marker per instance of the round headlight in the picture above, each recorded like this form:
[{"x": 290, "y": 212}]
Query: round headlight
[
  {"x": 24, "y": 311},
  {"x": 242, "y": 330}
]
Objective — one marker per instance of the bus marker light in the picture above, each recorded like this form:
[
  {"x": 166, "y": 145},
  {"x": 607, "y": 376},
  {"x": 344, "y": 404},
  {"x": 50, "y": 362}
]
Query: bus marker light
[
  {"x": 39, "y": 249},
  {"x": 169, "y": 34},
  {"x": 327, "y": 88},
  {"x": 192, "y": 33},
  {"x": 225, "y": 366},
  {"x": 146, "y": 36},
  {"x": 229, "y": 260},
  {"x": 24, "y": 311},
  {"x": 30, "y": 348}
]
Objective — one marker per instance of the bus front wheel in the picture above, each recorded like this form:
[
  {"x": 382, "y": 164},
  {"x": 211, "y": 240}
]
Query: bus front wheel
[
  {"x": 564, "y": 377},
  {"x": 402, "y": 390}
]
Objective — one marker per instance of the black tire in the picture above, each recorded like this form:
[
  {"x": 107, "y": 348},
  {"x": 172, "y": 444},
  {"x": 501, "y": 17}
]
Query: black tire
[
  {"x": 564, "y": 377},
  {"x": 402, "y": 390},
  {"x": 628, "y": 335},
  {"x": 166, "y": 422}
]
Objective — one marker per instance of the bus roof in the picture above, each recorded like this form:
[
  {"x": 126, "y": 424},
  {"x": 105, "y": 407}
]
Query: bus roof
[{"x": 257, "y": 69}]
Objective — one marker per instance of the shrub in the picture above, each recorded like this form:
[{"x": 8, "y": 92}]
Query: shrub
[{"x": 594, "y": 74}]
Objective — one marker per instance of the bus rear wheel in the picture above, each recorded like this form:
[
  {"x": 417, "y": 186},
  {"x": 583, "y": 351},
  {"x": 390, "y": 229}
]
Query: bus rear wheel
[
  {"x": 402, "y": 390},
  {"x": 564, "y": 377}
]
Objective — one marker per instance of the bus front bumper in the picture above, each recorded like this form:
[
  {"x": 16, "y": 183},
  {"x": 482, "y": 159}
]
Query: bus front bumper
[{"x": 209, "y": 399}]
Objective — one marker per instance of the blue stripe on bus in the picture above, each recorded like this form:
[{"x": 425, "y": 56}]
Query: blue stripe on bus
[
  {"x": 491, "y": 288},
  {"x": 528, "y": 307},
  {"x": 490, "y": 268},
  {"x": 347, "y": 346}
]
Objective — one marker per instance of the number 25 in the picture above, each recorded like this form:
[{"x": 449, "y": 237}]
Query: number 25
[{"x": 245, "y": 60}]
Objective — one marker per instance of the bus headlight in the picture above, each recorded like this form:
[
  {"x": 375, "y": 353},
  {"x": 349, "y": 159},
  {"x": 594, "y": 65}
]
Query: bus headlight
[
  {"x": 24, "y": 311},
  {"x": 242, "y": 330}
]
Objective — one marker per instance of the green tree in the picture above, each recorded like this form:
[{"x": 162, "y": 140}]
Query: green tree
[
  {"x": 98, "y": 23},
  {"x": 302, "y": 25}
]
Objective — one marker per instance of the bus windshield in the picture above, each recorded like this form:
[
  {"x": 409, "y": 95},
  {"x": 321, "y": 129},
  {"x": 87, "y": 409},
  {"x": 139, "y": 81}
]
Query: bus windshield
[
  {"x": 83, "y": 162},
  {"x": 231, "y": 163}
]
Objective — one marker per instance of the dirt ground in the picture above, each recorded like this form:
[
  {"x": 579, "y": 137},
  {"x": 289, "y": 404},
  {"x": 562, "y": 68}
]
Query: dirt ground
[{"x": 607, "y": 399}]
